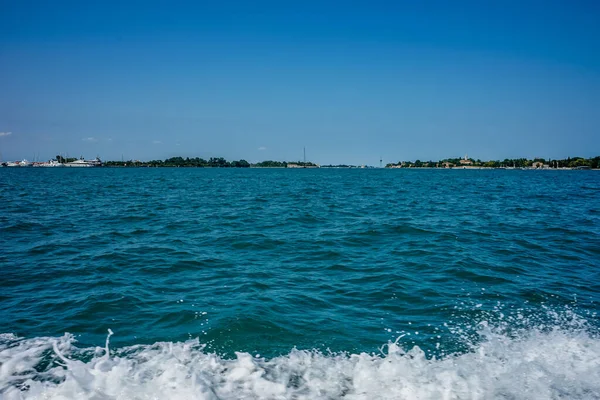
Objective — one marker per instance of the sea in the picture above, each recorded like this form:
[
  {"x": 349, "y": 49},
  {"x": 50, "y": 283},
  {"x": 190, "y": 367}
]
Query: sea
[{"x": 192, "y": 283}]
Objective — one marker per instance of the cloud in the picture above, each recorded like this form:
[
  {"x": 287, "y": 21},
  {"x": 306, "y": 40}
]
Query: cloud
[
  {"x": 90, "y": 139},
  {"x": 5, "y": 134},
  {"x": 261, "y": 148},
  {"x": 109, "y": 140},
  {"x": 156, "y": 142}
]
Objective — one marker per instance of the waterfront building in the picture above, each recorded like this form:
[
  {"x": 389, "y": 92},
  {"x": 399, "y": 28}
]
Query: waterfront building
[{"x": 466, "y": 161}]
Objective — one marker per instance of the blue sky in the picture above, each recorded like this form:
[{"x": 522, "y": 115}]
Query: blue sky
[{"x": 351, "y": 81}]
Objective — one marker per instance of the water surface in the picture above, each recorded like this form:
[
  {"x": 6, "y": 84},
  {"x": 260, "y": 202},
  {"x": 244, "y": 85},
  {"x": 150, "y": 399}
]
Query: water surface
[{"x": 299, "y": 272}]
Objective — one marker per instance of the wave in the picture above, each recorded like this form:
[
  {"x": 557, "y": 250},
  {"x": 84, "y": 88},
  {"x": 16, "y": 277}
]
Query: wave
[{"x": 545, "y": 362}]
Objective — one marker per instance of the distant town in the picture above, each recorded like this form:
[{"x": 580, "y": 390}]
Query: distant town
[{"x": 465, "y": 162}]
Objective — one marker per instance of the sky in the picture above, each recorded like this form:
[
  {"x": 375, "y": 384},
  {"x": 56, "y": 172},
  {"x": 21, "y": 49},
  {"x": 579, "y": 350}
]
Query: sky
[{"x": 351, "y": 81}]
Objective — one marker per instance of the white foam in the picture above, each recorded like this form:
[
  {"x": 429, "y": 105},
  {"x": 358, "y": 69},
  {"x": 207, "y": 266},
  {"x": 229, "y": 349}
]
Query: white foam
[{"x": 539, "y": 364}]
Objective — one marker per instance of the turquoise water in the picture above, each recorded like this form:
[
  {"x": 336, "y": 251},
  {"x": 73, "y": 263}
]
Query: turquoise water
[{"x": 254, "y": 283}]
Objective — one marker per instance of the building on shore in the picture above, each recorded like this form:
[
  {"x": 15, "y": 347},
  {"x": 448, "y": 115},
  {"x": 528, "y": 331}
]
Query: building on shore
[
  {"x": 540, "y": 165},
  {"x": 466, "y": 161}
]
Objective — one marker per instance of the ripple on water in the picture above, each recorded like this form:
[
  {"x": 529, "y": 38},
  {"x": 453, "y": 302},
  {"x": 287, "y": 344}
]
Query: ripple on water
[{"x": 311, "y": 258}]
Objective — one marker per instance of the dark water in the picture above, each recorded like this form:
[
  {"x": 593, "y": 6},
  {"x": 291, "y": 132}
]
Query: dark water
[{"x": 262, "y": 261}]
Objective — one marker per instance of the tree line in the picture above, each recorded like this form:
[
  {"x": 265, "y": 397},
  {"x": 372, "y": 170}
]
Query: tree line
[
  {"x": 196, "y": 162},
  {"x": 570, "y": 162}
]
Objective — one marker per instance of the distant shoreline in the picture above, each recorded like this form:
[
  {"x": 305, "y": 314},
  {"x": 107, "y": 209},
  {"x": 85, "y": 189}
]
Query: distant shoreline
[
  {"x": 328, "y": 168},
  {"x": 465, "y": 163}
]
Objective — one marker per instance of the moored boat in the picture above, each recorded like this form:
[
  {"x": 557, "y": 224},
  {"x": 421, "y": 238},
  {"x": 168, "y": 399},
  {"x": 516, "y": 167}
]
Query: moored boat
[
  {"x": 96, "y": 162},
  {"x": 51, "y": 163}
]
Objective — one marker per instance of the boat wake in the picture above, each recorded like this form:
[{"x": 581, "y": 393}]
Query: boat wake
[{"x": 544, "y": 362}]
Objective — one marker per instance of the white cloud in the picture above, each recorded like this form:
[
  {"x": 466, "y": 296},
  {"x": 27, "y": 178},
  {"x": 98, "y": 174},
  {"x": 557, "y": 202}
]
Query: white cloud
[
  {"x": 261, "y": 148},
  {"x": 156, "y": 142},
  {"x": 90, "y": 139},
  {"x": 5, "y": 134}
]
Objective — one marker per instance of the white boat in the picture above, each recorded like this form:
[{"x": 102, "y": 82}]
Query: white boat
[
  {"x": 25, "y": 163},
  {"x": 12, "y": 164},
  {"x": 96, "y": 162},
  {"x": 51, "y": 163},
  {"x": 78, "y": 163}
]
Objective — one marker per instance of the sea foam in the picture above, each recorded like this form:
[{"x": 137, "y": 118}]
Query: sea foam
[{"x": 548, "y": 363}]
